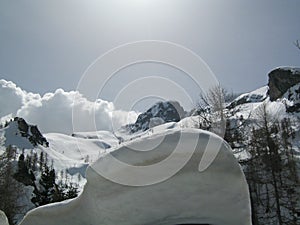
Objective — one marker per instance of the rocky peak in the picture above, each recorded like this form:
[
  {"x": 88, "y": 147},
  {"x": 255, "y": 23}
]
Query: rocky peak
[
  {"x": 159, "y": 113},
  {"x": 18, "y": 133},
  {"x": 281, "y": 79}
]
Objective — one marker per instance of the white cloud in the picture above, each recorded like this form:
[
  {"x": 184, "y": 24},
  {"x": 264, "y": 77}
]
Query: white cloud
[
  {"x": 11, "y": 98},
  {"x": 53, "y": 111}
]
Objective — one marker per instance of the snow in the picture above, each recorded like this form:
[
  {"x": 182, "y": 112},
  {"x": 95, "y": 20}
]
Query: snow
[
  {"x": 13, "y": 137},
  {"x": 24, "y": 201},
  {"x": 3, "y": 219},
  {"x": 293, "y": 69},
  {"x": 217, "y": 195},
  {"x": 292, "y": 96},
  {"x": 155, "y": 121},
  {"x": 68, "y": 153},
  {"x": 74, "y": 153},
  {"x": 255, "y": 96}
]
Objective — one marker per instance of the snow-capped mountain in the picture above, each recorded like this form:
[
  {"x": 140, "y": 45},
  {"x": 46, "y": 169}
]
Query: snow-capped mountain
[
  {"x": 159, "y": 113},
  {"x": 19, "y": 133},
  {"x": 258, "y": 95},
  {"x": 277, "y": 104}
]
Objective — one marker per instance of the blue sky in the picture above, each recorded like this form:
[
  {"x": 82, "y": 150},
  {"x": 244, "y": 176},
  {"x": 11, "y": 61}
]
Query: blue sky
[{"x": 45, "y": 45}]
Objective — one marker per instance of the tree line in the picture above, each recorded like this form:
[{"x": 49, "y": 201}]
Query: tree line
[
  {"x": 271, "y": 166},
  {"x": 18, "y": 170}
]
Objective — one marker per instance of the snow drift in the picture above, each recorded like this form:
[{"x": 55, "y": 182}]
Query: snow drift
[
  {"x": 218, "y": 195},
  {"x": 3, "y": 219}
]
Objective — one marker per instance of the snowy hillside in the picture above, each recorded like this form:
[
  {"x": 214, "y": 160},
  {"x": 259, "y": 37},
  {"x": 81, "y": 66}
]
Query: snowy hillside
[
  {"x": 66, "y": 151},
  {"x": 264, "y": 133},
  {"x": 262, "y": 129},
  {"x": 252, "y": 97},
  {"x": 34, "y": 156}
]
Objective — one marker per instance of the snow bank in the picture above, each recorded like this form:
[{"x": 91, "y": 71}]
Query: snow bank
[
  {"x": 3, "y": 219},
  {"x": 218, "y": 195}
]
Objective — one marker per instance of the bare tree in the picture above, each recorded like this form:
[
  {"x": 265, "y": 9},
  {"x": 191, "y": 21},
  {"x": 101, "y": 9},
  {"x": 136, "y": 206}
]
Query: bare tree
[
  {"x": 271, "y": 170},
  {"x": 211, "y": 110}
]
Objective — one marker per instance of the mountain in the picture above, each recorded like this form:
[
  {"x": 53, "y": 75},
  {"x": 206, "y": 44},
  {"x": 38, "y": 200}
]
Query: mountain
[
  {"x": 262, "y": 128},
  {"x": 23, "y": 135},
  {"x": 258, "y": 95},
  {"x": 159, "y": 113},
  {"x": 45, "y": 168},
  {"x": 281, "y": 79}
]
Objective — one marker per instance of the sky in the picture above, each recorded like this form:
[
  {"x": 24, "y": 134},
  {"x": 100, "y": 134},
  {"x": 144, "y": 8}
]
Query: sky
[{"x": 50, "y": 44}]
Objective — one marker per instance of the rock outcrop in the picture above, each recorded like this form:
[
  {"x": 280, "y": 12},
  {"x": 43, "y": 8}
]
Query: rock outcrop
[
  {"x": 281, "y": 79},
  {"x": 161, "y": 112},
  {"x": 18, "y": 132}
]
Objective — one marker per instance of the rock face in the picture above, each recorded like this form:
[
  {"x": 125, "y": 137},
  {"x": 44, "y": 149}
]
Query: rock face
[
  {"x": 281, "y": 79},
  {"x": 179, "y": 191},
  {"x": 19, "y": 127},
  {"x": 292, "y": 97},
  {"x": 164, "y": 112}
]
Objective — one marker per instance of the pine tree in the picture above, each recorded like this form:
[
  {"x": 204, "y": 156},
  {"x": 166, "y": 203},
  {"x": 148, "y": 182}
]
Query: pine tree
[
  {"x": 10, "y": 189},
  {"x": 271, "y": 172},
  {"x": 41, "y": 160}
]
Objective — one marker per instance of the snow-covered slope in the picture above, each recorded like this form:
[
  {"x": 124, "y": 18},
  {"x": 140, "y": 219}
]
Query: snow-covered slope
[
  {"x": 69, "y": 151},
  {"x": 12, "y": 136},
  {"x": 68, "y": 155},
  {"x": 218, "y": 195},
  {"x": 257, "y": 95},
  {"x": 189, "y": 196},
  {"x": 22, "y": 135},
  {"x": 66, "y": 151}
]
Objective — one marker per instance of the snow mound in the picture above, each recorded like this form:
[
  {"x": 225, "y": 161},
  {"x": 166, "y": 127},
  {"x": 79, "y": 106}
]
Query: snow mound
[
  {"x": 3, "y": 219},
  {"x": 217, "y": 195}
]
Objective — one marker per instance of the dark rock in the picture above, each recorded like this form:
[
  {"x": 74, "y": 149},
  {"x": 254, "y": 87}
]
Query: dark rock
[
  {"x": 169, "y": 111},
  {"x": 294, "y": 108},
  {"x": 293, "y": 95},
  {"x": 31, "y": 132},
  {"x": 23, "y": 126},
  {"x": 281, "y": 79}
]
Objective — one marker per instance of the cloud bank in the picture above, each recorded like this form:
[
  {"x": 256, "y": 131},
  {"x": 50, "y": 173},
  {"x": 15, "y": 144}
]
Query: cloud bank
[{"x": 53, "y": 111}]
